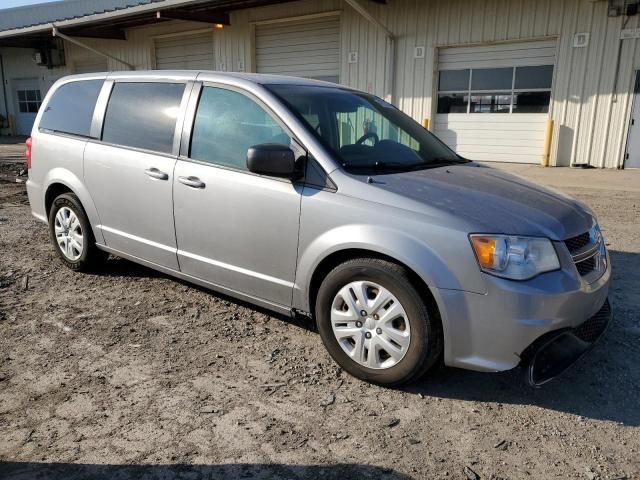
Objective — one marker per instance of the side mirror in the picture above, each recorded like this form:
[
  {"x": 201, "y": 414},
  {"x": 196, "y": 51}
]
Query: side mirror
[{"x": 271, "y": 159}]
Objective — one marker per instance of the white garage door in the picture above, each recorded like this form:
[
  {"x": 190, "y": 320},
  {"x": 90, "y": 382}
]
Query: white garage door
[
  {"x": 493, "y": 101},
  {"x": 185, "y": 52},
  {"x": 309, "y": 48}
]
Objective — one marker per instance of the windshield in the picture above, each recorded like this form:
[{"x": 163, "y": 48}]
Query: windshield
[{"x": 363, "y": 131}]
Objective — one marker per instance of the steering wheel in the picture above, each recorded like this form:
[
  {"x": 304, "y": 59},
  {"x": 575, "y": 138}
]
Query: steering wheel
[{"x": 367, "y": 136}]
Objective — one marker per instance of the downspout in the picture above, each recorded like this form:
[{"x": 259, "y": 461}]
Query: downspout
[
  {"x": 391, "y": 48},
  {"x": 56, "y": 33},
  {"x": 4, "y": 90}
]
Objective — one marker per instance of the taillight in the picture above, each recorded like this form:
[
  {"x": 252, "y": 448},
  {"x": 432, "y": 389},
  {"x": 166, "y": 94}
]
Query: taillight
[{"x": 27, "y": 152}]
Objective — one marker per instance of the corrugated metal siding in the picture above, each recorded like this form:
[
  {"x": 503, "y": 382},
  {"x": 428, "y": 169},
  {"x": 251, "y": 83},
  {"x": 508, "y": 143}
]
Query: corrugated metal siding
[
  {"x": 589, "y": 125},
  {"x": 307, "y": 48}
]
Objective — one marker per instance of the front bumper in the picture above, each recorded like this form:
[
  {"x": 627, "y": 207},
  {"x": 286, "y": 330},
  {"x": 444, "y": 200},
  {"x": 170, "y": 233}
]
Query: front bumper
[
  {"x": 555, "y": 352},
  {"x": 491, "y": 332}
]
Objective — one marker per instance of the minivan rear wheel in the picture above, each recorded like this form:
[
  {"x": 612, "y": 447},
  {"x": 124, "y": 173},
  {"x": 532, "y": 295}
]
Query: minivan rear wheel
[
  {"x": 375, "y": 324},
  {"x": 71, "y": 234}
]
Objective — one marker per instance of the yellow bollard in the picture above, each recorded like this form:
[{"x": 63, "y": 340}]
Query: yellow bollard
[
  {"x": 425, "y": 123},
  {"x": 548, "y": 135}
]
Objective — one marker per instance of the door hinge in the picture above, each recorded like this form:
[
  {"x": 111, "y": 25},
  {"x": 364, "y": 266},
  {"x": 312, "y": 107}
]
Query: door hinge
[{"x": 626, "y": 157}]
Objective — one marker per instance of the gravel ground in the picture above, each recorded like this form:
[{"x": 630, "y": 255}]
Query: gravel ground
[{"x": 131, "y": 374}]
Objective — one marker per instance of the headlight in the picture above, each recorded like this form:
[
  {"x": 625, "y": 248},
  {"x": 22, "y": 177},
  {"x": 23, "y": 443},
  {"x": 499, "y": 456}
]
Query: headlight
[{"x": 517, "y": 258}]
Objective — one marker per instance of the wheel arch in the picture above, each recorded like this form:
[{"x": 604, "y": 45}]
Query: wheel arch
[
  {"x": 60, "y": 181},
  {"x": 337, "y": 257},
  {"x": 54, "y": 191}
]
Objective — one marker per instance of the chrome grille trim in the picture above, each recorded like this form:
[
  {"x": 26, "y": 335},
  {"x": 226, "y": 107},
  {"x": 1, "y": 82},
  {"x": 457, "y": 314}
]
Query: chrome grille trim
[{"x": 587, "y": 252}]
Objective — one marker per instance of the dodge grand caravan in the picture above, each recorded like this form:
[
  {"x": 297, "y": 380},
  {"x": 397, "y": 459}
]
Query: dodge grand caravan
[{"x": 310, "y": 198}]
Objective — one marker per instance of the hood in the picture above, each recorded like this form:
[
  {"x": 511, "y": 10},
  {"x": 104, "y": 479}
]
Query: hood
[{"x": 492, "y": 201}]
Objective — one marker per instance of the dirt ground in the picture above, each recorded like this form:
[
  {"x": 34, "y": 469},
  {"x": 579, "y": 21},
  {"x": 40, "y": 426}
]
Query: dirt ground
[{"x": 131, "y": 374}]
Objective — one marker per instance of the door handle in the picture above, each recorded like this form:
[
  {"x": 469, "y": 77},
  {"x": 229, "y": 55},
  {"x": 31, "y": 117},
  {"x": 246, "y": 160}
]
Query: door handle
[
  {"x": 193, "y": 182},
  {"x": 155, "y": 173}
]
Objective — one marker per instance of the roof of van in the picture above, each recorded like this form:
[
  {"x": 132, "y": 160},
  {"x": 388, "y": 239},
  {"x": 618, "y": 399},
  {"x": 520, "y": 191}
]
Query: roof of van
[{"x": 259, "y": 78}]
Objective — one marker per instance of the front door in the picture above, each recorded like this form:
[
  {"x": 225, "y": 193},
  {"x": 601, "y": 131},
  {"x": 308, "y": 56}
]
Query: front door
[
  {"x": 28, "y": 98},
  {"x": 235, "y": 229},
  {"x": 633, "y": 144},
  {"x": 130, "y": 174}
]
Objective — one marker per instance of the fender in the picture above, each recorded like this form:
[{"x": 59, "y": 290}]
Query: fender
[
  {"x": 412, "y": 252},
  {"x": 75, "y": 184}
]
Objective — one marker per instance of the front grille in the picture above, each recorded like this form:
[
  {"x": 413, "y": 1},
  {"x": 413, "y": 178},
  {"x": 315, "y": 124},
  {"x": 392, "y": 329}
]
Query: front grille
[
  {"x": 590, "y": 330},
  {"x": 587, "y": 266},
  {"x": 576, "y": 244},
  {"x": 585, "y": 249}
]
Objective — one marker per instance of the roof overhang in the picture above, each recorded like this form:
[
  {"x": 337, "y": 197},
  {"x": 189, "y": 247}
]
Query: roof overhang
[{"x": 112, "y": 24}]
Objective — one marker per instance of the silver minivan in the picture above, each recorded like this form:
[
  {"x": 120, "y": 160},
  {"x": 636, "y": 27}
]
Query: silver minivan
[{"x": 310, "y": 198}]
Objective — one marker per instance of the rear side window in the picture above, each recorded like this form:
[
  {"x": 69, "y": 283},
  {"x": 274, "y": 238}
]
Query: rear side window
[
  {"x": 143, "y": 115},
  {"x": 70, "y": 109}
]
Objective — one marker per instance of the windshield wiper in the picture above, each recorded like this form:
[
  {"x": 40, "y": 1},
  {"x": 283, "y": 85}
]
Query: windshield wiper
[
  {"x": 378, "y": 166},
  {"x": 438, "y": 162},
  {"x": 382, "y": 166}
]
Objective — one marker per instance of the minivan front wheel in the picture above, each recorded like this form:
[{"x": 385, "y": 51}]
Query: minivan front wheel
[
  {"x": 71, "y": 234},
  {"x": 374, "y": 322}
]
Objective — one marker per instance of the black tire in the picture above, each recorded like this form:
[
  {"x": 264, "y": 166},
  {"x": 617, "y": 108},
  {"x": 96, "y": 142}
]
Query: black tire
[
  {"x": 91, "y": 257},
  {"x": 426, "y": 342}
]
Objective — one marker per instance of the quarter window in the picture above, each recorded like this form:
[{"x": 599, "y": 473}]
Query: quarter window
[
  {"x": 143, "y": 115},
  {"x": 524, "y": 89},
  {"x": 71, "y": 107},
  {"x": 227, "y": 123}
]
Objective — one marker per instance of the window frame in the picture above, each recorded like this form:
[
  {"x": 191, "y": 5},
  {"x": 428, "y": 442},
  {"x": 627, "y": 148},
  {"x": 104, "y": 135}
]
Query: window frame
[
  {"x": 27, "y": 102},
  {"x": 93, "y": 133},
  {"x": 469, "y": 92},
  {"x": 190, "y": 117},
  {"x": 103, "y": 102}
]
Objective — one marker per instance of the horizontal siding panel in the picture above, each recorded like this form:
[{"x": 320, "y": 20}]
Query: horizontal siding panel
[
  {"x": 500, "y": 157},
  {"x": 496, "y": 118},
  {"x": 507, "y": 55},
  {"x": 514, "y": 141},
  {"x": 494, "y": 137},
  {"x": 322, "y": 60}
]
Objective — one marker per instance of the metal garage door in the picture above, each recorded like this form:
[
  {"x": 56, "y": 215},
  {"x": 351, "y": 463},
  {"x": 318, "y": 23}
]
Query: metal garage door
[
  {"x": 188, "y": 51},
  {"x": 493, "y": 101},
  {"x": 309, "y": 48}
]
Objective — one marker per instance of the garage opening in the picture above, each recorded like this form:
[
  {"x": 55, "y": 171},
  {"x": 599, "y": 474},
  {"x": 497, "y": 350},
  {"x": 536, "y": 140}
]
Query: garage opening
[
  {"x": 493, "y": 101},
  {"x": 307, "y": 48},
  {"x": 191, "y": 51}
]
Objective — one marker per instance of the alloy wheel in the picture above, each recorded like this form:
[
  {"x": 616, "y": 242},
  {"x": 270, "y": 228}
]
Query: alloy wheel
[{"x": 69, "y": 233}]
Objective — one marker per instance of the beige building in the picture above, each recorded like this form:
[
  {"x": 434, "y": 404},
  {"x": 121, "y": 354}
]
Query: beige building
[{"x": 486, "y": 75}]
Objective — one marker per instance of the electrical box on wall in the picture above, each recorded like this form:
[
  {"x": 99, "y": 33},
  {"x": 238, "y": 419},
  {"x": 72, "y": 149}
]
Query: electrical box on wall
[
  {"x": 50, "y": 56},
  {"x": 628, "y": 8}
]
